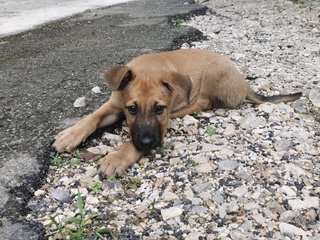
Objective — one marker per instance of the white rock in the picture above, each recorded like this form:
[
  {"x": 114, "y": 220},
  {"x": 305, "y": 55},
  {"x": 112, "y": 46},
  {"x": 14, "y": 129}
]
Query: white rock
[
  {"x": 227, "y": 165},
  {"x": 205, "y": 196},
  {"x": 168, "y": 195},
  {"x": 287, "y": 216},
  {"x": 39, "y": 192},
  {"x": 153, "y": 197},
  {"x": 100, "y": 149},
  {"x": 230, "y": 130},
  {"x": 204, "y": 168},
  {"x": 308, "y": 202},
  {"x": 282, "y": 145},
  {"x": 71, "y": 227},
  {"x": 266, "y": 107},
  {"x": 314, "y": 96},
  {"x": 222, "y": 210},
  {"x": 288, "y": 191},
  {"x": 207, "y": 147},
  {"x": 240, "y": 191},
  {"x": 47, "y": 222},
  {"x": 217, "y": 197},
  {"x": 201, "y": 187},
  {"x": 251, "y": 205},
  {"x": 96, "y": 90},
  {"x": 185, "y": 46},
  {"x": 196, "y": 201},
  {"x": 170, "y": 213},
  {"x": 173, "y": 124},
  {"x": 189, "y": 120},
  {"x": 188, "y": 194},
  {"x": 283, "y": 108},
  {"x": 259, "y": 218},
  {"x": 225, "y": 153},
  {"x": 86, "y": 181},
  {"x": 80, "y": 102},
  {"x": 296, "y": 170},
  {"x": 204, "y": 165},
  {"x": 232, "y": 207},
  {"x": 300, "y": 106},
  {"x": 251, "y": 121},
  {"x": 290, "y": 229},
  {"x": 193, "y": 236},
  {"x": 311, "y": 202},
  {"x": 238, "y": 235},
  {"x": 92, "y": 200},
  {"x": 113, "y": 138}
]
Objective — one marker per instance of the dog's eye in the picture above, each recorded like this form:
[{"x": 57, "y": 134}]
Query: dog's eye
[
  {"x": 158, "y": 109},
  {"x": 132, "y": 110}
]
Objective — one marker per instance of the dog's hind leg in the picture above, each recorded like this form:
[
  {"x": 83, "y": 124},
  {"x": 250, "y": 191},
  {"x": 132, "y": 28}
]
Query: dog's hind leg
[{"x": 71, "y": 137}]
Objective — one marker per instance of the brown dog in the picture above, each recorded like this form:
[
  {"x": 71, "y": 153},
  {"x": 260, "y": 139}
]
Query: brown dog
[{"x": 155, "y": 87}]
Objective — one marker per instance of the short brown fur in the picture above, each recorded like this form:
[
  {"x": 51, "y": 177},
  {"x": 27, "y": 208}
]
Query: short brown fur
[{"x": 155, "y": 87}]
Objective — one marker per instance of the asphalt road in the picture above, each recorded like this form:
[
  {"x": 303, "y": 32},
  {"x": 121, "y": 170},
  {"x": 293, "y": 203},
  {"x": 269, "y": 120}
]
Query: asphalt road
[{"x": 43, "y": 71}]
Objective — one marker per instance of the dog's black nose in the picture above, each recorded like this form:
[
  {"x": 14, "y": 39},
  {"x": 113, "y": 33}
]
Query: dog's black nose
[
  {"x": 147, "y": 141},
  {"x": 145, "y": 137}
]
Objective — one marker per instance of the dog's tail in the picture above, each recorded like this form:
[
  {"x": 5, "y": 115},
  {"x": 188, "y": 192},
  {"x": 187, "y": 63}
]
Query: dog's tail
[{"x": 256, "y": 98}]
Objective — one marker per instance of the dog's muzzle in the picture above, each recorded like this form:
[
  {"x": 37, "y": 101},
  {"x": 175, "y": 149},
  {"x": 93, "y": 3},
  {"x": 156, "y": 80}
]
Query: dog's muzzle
[{"x": 146, "y": 138}]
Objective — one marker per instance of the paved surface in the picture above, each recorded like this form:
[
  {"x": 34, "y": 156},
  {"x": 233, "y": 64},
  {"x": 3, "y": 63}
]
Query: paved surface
[
  {"x": 21, "y": 15},
  {"x": 43, "y": 71}
]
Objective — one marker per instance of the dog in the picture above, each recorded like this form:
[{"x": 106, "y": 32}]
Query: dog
[{"x": 155, "y": 87}]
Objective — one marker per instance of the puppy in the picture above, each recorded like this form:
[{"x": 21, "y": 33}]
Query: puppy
[{"x": 153, "y": 88}]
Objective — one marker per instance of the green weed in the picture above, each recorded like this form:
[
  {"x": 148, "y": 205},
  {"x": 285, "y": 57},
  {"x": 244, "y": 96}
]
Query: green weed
[
  {"x": 211, "y": 131},
  {"x": 192, "y": 162},
  {"x": 84, "y": 227},
  {"x": 56, "y": 160},
  {"x": 97, "y": 186}
]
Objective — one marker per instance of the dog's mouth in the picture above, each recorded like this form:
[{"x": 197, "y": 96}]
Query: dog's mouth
[{"x": 146, "y": 138}]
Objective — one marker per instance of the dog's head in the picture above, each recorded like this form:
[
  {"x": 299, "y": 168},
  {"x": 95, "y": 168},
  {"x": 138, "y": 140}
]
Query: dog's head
[{"x": 147, "y": 99}]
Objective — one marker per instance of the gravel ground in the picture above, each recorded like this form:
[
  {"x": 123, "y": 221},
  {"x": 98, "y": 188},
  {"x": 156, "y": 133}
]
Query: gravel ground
[{"x": 248, "y": 173}]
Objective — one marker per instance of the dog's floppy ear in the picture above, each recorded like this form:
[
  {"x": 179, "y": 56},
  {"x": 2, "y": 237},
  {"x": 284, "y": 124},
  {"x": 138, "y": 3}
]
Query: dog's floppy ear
[
  {"x": 178, "y": 82},
  {"x": 118, "y": 78}
]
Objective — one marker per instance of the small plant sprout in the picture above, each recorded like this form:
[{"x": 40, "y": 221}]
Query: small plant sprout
[
  {"x": 197, "y": 114},
  {"x": 134, "y": 183},
  {"x": 179, "y": 21},
  {"x": 77, "y": 154},
  {"x": 97, "y": 186},
  {"x": 211, "y": 131},
  {"x": 192, "y": 162},
  {"x": 56, "y": 161}
]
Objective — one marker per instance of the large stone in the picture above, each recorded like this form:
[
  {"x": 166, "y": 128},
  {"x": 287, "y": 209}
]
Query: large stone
[
  {"x": 307, "y": 202},
  {"x": 227, "y": 165},
  {"x": 240, "y": 191},
  {"x": 60, "y": 195},
  {"x": 289, "y": 229},
  {"x": 80, "y": 102},
  {"x": 230, "y": 130},
  {"x": 314, "y": 96},
  {"x": 189, "y": 120},
  {"x": 251, "y": 122},
  {"x": 170, "y": 213}
]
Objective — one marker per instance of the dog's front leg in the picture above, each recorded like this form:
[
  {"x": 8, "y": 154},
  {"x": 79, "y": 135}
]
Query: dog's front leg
[
  {"x": 71, "y": 137},
  {"x": 117, "y": 162}
]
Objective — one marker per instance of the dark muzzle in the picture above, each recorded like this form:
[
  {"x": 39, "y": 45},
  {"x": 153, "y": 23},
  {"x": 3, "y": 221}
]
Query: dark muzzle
[{"x": 146, "y": 138}]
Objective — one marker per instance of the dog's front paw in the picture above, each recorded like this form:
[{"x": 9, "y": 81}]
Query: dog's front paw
[
  {"x": 68, "y": 139},
  {"x": 113, "y": 165}
]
